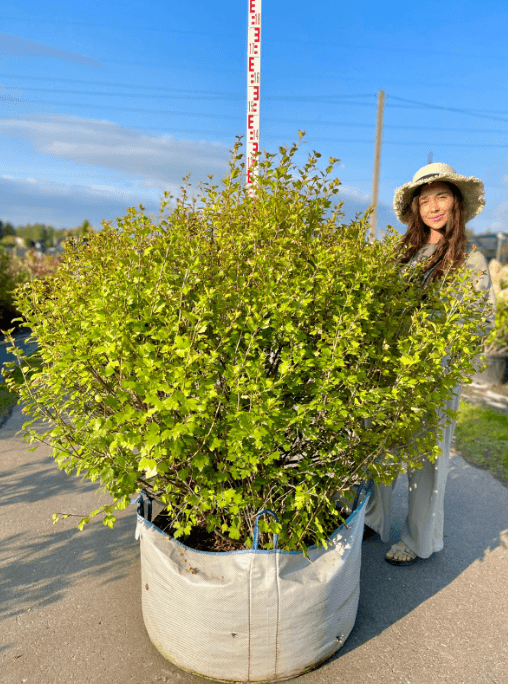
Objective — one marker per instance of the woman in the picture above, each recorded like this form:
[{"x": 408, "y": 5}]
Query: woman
[{"x": 436, "y": 205}]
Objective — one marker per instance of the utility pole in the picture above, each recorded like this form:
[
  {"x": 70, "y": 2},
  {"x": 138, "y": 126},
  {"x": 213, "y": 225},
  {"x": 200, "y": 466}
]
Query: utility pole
[
  {"x": 430, "y": 157},
  {"x": 377, "y": 161},
  {"x": 253, "y": 87}
]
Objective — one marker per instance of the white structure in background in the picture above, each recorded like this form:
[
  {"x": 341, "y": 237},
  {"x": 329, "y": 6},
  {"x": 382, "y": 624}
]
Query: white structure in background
[
  {"x": 253, "y": 85},
  {"x": 492, "y": 245}
]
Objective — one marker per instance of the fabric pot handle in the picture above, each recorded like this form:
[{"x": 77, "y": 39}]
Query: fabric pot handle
[
  {"x": 255, "y": 542},
  {"x": 141, "y": 506},
  {"x": 363, "y": 485}
]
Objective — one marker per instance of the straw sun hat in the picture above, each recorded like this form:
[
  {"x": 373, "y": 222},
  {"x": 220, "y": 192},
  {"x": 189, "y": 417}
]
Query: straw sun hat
[{"x": 471, "y": 188}]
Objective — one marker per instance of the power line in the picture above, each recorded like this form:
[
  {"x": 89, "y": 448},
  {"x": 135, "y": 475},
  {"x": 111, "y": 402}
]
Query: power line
[
  {"x": 339, "y": 124},
  {"x": 278, "y": 39},
  {"x": 311, "y": 138},
  {"x": 139, "y": 110},
  {"x": 108, "y": 84},
  {"x": 144, "y": 87},
  {"x": 158, "y": 28},
  {"x": 205, "y": 95},
  {"x": 175, "y": 95},
  {"x": 319, "y": 98},
  {"x": 171, "y": 130},
  {"x": 425, "y": 105},
  {"x": 394, "y": 142},
  {"x": 297, "y": 122},
  {"x": 150, "y": 111}
]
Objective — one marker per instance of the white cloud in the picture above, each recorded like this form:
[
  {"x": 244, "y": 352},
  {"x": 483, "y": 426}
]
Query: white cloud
[
  {"x": 356, "y": 202},
  {"x": 153, "y": 163},
  {"x": 499, "y": 221},
  {"x": 12, "y": 45},
  {"x": 27, "y": 200},
  {"x": 158, "y": 161},
  {"x": 64, "y": 205},
  {"x": 354, "y": 194},
  {"x": 105, "y": 188},
  {"x": 27, "y": 180}
]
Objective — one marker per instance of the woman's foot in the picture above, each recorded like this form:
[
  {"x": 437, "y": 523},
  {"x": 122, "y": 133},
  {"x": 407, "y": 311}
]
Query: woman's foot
[{"x": 401, "y": 554}]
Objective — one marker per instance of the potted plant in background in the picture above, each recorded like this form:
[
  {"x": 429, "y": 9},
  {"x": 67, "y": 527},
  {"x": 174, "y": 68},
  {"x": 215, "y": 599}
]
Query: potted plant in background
[
  {"x": 496, "y": 344},
  {"x": 242, "y": 354}
]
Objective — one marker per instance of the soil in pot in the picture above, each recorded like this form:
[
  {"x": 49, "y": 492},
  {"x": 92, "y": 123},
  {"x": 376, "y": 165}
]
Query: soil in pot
[{"x": 202, "y": 540}]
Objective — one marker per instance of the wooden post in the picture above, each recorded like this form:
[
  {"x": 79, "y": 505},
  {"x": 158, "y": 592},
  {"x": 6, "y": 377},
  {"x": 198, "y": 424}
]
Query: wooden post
[{"x": 377, "y": 161}]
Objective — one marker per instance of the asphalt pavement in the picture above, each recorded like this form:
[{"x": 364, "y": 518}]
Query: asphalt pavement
[{"x": 70, "y": 601}]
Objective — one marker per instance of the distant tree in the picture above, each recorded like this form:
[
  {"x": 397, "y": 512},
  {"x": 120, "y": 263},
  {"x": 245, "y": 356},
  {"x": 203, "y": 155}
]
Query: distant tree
[
  {"x": 29, "y": 233},
  {"x": 469, "y": 233},
  {"x": 38, "y": 232},
  {"x": 86, "y": 229},
  {"x": 48, "y": 236},
  {"x": 6, "y": 229}
]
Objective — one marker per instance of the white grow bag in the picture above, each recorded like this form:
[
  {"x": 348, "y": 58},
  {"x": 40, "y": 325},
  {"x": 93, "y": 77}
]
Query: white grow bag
[{"x": 250, "y": 616}]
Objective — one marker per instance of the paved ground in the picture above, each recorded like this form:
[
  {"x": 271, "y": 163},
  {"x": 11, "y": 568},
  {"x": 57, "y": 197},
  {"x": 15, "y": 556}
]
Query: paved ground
[
  {"x": 496, "y": 396},
  {"x": 70, "y": 609}
]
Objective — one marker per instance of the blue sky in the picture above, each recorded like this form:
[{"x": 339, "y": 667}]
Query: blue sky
[{"x": 105, "y": 105}]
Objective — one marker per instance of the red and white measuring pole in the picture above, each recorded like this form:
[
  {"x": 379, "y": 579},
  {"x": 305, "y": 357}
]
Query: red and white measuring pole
[{"x": 253, "y": 86}]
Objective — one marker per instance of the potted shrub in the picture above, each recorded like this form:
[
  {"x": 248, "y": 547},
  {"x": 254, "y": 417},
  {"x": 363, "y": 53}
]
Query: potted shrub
[
  {"x": 244, "y": 353},
  {"x": 496, "y": 344},
  {"x": 8, "y": 283}
]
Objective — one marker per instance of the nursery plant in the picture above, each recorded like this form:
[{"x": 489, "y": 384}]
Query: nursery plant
[
  {"x": 243, "y": 350},
  {"x": 14, "y": 271},
  {"x": 497, "y": 340},
  {"x": 8, "y": 284}
]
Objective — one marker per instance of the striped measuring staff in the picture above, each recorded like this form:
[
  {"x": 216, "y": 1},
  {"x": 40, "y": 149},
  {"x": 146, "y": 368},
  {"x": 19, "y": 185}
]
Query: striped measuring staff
[{"x": 253, "y": 85}]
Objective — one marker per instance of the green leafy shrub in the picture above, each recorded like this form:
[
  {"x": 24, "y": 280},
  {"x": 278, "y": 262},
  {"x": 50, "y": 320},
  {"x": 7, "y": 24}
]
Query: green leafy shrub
[
  {"x": 497, "y": 341},
  {"x": 8, "y": 283},
  {"x": 33, "y": 265},
  {"x": 14, "y": 272},
  {"x": 9, "y": 241},
  {"x": 7, "y": 401},
  {"x": 243, "y": 352}
]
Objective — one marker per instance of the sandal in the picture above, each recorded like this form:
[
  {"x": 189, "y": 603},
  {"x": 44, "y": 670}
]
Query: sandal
[{"x": 399, "y": 550}]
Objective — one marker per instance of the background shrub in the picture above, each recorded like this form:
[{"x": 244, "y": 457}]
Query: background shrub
[
  {"x": 8, "y": 283},
  {"x": 14, "y": 271}
]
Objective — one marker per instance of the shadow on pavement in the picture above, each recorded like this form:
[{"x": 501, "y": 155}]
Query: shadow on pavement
[
  {"x": 40, "y": 562},
  {"x": 36, "y": 480},
  {"x": 476, "y": 515},
  {"x": 44, "y": 567}
]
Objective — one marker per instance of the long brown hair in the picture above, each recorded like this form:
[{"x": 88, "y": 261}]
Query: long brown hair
[{"x": 450, "y": 249}]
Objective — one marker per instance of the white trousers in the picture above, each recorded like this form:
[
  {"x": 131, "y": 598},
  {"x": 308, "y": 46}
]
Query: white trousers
[{"x": 423, "y": 528}]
